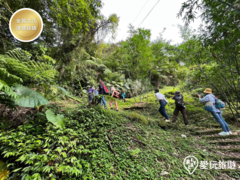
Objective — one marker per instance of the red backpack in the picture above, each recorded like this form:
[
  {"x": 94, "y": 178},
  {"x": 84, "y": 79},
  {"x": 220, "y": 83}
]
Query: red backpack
[{"x": 106, "y": 91}]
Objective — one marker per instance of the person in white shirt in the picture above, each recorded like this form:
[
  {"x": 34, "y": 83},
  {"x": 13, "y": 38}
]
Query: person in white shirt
[{"x": 163, "y": 102}]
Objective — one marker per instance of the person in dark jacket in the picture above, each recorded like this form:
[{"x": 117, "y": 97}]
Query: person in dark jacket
[
  {"x": 101, "y": 93},
  {"x": 179, "y": 106}
]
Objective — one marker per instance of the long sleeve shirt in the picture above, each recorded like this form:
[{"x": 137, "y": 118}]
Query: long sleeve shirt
[
  {"x": 159, "y": 96},
  {"x": 210, "y": 97}
]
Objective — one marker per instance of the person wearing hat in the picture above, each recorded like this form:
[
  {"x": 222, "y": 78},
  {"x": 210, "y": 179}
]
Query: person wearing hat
[
  {"x": 179, "y": 106},
  {"x": 209, "y": 97},
  {"x": 163, "y": 102}
]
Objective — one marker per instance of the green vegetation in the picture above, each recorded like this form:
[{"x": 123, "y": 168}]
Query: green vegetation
[{"x": 47, "y": 129}]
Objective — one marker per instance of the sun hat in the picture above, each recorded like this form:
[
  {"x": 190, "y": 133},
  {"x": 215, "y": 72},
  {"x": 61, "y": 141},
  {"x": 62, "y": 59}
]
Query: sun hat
[{"x": 208, "y": 91}]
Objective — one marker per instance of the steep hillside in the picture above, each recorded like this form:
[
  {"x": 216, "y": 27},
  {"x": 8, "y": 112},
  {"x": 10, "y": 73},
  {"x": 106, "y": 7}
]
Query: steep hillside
[{"x": 136, "y": 143}]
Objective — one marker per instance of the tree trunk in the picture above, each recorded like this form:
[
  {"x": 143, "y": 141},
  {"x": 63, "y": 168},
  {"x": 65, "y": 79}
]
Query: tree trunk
[{"x": 156, "y": 79}]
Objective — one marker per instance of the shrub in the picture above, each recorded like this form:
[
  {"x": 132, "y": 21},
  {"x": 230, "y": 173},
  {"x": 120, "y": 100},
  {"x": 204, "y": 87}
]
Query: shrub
[
  {"x": 41, "y": 150},
  {"x": 139, "y": 118}
]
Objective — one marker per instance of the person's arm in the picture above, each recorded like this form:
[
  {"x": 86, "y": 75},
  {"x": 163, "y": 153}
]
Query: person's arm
[
  {"x": 112, "y": 93},
  {"x": 205, "y": 99}
]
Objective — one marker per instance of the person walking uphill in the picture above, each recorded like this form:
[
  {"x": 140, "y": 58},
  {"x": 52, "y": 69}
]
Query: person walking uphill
[
  {"x": 90, "y": 95},
  {"x": 210, "y": 101},
  {"x": 115, "y": 94},
  {"x": 180, "y": 106},
  {"x": 163, "y": 102},
  {"x": 101, "y": 92}
]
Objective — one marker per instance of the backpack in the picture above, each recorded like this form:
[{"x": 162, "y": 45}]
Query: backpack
[
  {"x": 179, "y": 101},
  {"x": 106, "y": 91},
  {"x": 218, "y": 103}
]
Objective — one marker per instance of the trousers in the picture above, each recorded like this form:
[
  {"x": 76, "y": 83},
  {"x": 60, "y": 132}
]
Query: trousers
[
  {"x": 184, "y": 114},
  {"x": 162, "y": 109},
  {"x": 222, "y": 122}
]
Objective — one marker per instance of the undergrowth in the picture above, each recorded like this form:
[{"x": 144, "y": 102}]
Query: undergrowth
[{"x": 99, "y": 143}]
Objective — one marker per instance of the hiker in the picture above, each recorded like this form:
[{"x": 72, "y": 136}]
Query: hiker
[
  {"x": 179, "y": 106},
  {"x": 101, "y": 92},
  {"x": 163, "y": 102},
  {"x": 209, "y": 99},
  {"x": 90, "y": 95},
  {"x": 123, "y": 96},
  {"x": 96, "y": 97},
  {"x": 115, "y": 94}
]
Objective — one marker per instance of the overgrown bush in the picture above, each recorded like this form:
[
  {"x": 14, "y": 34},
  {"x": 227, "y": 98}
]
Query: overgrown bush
[{"x": 41, "y": 150}]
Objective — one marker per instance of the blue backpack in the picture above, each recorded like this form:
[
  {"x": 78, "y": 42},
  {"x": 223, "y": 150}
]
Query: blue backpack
[{"x": 219, "y": 104}]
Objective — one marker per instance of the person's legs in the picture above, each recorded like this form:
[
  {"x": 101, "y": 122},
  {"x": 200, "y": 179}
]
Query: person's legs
[
  {"x": 110, "y": 103},
  {"x": 175, "y": 114},
  {"x": 104, "y": 102},
  {"x": 116, "y": 104},
  {"x": 162, "y": 109},
  {"x": 224, "y": 122},
  {"x": 99, "y": 101},
  {"x": 183, "y": 111},
  {"x": 218, "y": 119},
  {"x": 90, "y": 98}
]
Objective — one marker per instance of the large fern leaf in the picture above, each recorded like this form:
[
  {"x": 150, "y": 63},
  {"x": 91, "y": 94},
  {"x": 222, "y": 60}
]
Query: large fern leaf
[{"x": 28, "y": 97}]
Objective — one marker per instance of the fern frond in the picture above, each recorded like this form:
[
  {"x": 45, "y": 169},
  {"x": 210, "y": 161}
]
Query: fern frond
[
  {"x": 5, "y": 88},
  {"x": 3, "y": 72},
  {"x": 19, "y": 54},
  {"x": 41, "y": 71},
  {"x": 12, "y": 70},
  {"x": 90, "y": 62}
]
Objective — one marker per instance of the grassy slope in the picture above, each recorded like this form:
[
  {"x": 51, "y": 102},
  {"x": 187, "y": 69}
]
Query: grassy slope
[
  {"x": 173, "y": 147},
  {"x": 134, "y": 146}
]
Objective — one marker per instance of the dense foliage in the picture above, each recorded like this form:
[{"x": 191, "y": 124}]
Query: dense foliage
[{"x": 71, "y": 56}]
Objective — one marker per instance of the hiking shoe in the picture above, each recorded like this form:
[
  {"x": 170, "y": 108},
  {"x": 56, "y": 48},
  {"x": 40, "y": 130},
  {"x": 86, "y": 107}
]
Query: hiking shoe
[
  {"x": 230, "y": 132},
  {"x": 116, "y": 109},
  {"x": 223, "y": 133},
  {"x": 105, "y": 107},
  {"x": 167, "y": 120},
  {"x": 111, "y": 108}
]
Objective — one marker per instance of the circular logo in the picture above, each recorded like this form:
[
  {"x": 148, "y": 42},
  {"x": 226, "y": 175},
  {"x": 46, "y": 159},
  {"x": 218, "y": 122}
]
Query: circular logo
[{"x": 26, "y": 25}]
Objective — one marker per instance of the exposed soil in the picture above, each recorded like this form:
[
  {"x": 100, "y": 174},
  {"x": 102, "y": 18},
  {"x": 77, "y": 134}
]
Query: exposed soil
[{"x": 15, "y": 117}]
